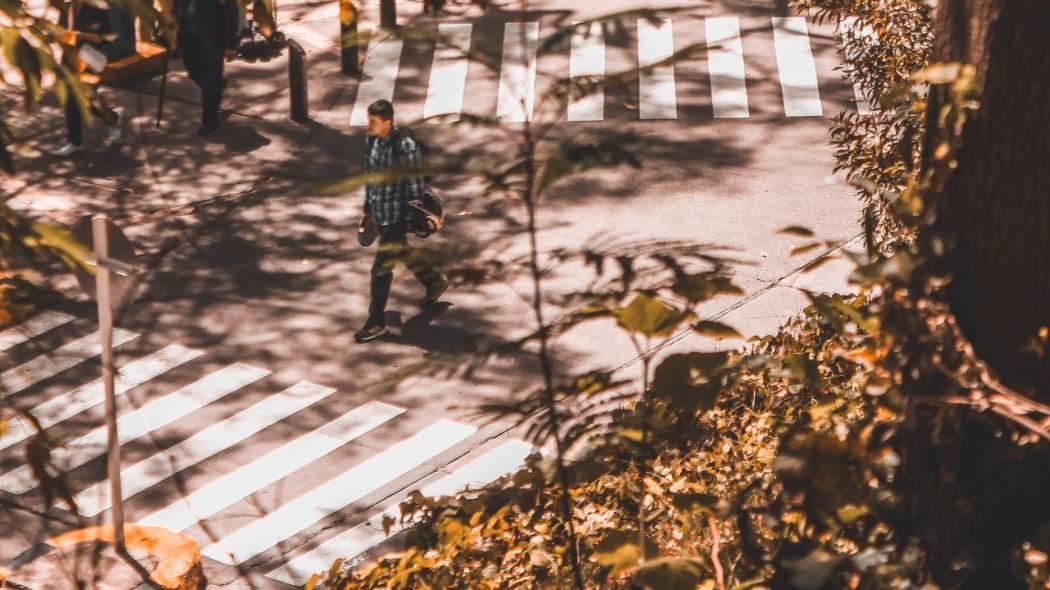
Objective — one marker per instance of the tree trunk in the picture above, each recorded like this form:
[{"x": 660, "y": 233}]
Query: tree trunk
[
  {"x": 970, "y": 493},
  {"x": 996, "y": 207}
]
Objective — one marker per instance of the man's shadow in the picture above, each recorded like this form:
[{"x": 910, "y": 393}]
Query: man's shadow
[{"x": 419, "y": 331}]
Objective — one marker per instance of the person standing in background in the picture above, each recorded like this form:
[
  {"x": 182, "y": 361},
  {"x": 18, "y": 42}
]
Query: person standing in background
[
  {"x": 209, "y": 30},
  {"x": 109, "y": 30}
]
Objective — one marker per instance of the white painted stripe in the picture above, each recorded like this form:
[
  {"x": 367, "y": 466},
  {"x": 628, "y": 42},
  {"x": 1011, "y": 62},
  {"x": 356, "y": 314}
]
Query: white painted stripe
[
  {"x": 336, "y": 494},
  {"x": 163, "y": 412},
  {"x": 849, "y": 29},
  {"x": 494, "y": 464},
  {"x": 448, "y": 76},
  {"x": 152, "y": 416},
  {"x": 587, "y": 59},
  {"x": 798, "y": 71},
  {"x": 65, "y": 357},
  {"x": 208, "y": 442},
  {"x": 725, "y": 63},
  {"x": 84, "y": 397},
  {"x": 378, "y": 77},
  {"x": 279, "y": 463},
  {"x": 657, "y": 97},
  {"x": 33, "y": 327},
  {"x": 517, "y": 79}
]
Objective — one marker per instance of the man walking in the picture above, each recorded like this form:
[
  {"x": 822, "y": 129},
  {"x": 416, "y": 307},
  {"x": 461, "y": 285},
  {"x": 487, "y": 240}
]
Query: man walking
[{"x": 387, "y": 204}]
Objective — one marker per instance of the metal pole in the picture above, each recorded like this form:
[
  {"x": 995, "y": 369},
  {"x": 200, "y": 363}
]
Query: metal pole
[
  {"x": 100, "y": 236},
  {"x": 300, "y": 108},
  {"x": 348, "y": 37},
  {"x": 387, "y": 14}
]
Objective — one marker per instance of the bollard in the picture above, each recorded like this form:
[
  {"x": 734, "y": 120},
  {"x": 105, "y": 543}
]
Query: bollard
[
  {"x": 387, "y": 14},
  {"x": 300, "y": 107},
  {"x": 348, "y": 37}
]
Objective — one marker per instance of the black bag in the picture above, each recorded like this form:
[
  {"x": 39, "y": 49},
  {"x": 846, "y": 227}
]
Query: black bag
[{"x": 426, "y": 216}]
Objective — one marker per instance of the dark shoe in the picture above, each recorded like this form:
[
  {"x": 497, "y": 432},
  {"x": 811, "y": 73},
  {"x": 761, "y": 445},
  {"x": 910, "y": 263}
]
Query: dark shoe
[
  {"x": 434, "y": 293},
  {"x": 369, "y": 332},
  {"x": 207, "y": 128}
]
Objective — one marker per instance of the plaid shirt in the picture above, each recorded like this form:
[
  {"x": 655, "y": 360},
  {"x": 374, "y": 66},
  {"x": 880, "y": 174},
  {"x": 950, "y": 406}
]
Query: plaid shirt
[{"x": 387, "y": 201}]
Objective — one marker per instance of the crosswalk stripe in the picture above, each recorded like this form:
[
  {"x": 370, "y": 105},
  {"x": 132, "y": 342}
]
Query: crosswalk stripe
[
  {"x": 73, "y": 402},
  {"x": 657, "y": 95},
  {"x": 148, "y": 418},
  {"x": 275, "y": 465},
  {"x": 152, "y": 416},
  {"x": 798, "y": 71},
  {"x": 517, "y": 80},
  {"x": 336, "y": 494},
  {"x": 725, "y": 63},
  {"x": 448, "y": 76},
  {"x": 33, "y": 327},
  {"x": 50, "y": 364},
  {"x": 587, "y": 59},
  {"x": 849, "y": 29},
  {"x": 379, "y": 75},
  {"x": 208, "y": 442},
  {"x": 489, "y": 467}
]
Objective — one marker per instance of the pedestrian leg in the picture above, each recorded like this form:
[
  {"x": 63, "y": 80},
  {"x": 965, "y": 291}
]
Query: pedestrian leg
[{"x": 390, "y": 249}]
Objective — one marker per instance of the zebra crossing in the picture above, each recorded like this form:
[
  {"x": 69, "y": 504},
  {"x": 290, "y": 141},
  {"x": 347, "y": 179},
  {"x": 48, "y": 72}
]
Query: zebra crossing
[
  {"x": 728, "y": 70},
  {"x": 289, "y": 523}
]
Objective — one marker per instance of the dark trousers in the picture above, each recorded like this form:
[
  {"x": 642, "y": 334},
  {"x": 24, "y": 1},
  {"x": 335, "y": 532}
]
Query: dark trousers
[
  {"x": 75, "y": 120},
  {"x": 394, "y": 248},
  {"x": 205, "y": 65}
]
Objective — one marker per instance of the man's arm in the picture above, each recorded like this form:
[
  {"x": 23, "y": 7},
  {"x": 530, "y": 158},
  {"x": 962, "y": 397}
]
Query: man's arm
[{"x": 412, "y": 159}]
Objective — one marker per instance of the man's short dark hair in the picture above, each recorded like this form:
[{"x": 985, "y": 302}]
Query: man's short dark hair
[{"x": 382, "y": 109}]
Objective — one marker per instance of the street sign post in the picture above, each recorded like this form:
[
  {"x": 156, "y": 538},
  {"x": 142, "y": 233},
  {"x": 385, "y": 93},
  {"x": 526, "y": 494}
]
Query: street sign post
[{"x": 113, "y": 261}]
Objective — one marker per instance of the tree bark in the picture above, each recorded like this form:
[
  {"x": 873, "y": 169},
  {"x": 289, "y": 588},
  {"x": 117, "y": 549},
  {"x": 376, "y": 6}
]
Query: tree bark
[
  {"x": 970, "y": 493},
  {"x": 996, "y": 207}
]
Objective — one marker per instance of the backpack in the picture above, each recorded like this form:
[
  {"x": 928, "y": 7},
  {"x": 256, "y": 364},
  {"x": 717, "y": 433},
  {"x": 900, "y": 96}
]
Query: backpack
[{"x": 426, "y": 215}]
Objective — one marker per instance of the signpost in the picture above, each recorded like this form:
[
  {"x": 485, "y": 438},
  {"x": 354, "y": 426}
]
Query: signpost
[{"x": 113, "y": 262}]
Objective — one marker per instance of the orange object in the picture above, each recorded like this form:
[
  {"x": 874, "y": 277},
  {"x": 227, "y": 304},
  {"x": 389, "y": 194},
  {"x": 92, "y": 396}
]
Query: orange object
[{"x": 179, "y": 556}]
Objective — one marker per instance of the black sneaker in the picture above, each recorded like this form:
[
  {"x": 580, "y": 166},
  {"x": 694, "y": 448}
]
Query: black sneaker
[
  {"x": 434, "y": 293},
  {"x": 369, "y": 332}
]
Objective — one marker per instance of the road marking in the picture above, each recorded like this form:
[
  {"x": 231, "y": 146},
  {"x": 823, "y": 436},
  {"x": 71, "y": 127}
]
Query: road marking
[
  {"x": 849, "y": 29},
  {"x": 33, "y": 327},
  {"x": 494, "y": 464},
  {"x": 84, "y": 397},
  {"x": 725, "y": 64},
  {"x": 448, "y": 76},
  {"x": 587, "y": 60},
  {"x": 208, "y": 442},
  {"x": 798, "y": 71},
  {"x": 379, "y": 76},
  {"x": 336, "y": 494},
  {"x": 161, "y": 413},
  {"x": 657, "y": 96},
  {"x": 50, "y": 364},
  {"x": 517, "y": 80},
  {"x": 277, "y": 464},
  {"x": 152, "y": 416}
]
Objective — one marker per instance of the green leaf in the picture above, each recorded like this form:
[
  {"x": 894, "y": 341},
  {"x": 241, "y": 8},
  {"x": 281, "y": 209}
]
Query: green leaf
[
  {"x": 797, "y": 230},
  {"x": 690, "y": 381},
  {"x": 670, "y": 574},
  {"x": 702, "y": 286},
  {"x": 805, "y": 248},
  {"x": 619, "y": 550},
  {"x": 715, "y": 330},
  {"x": 693, "y": 502},
  {"x": 650, "y": 316}
]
